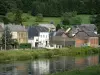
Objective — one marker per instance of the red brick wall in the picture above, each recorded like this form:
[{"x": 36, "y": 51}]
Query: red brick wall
[
  {"x": 94, "y": 41},
  {"x": 79, "y": 42}
]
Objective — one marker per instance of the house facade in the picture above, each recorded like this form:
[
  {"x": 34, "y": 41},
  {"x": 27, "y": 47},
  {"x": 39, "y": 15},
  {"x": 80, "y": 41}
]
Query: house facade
[
  {"x": 38, "y": 36},
  {"x": 79, "y": 36},
  {"x": 61, "y": 38},
  {"x": 83, "y": 38},
  {"x": 18, "y": 32}
]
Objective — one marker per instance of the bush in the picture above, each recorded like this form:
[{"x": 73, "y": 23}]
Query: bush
[{"x": 25, "y": 46}]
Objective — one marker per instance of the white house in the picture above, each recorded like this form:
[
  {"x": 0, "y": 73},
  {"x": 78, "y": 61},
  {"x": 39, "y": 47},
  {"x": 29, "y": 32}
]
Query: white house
[
  {"x": 38, "y": 36},
  {"x": 43, "y": 39}
]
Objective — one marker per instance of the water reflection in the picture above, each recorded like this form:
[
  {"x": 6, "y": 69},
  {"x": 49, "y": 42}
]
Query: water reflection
[{"x": 42, "y": 67}]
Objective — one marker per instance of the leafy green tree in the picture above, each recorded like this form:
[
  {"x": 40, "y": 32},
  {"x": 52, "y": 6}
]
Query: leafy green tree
[
  {"x": 69, "y": 18},
  {"x": 96, "y": 20},
  {"x": 7, "y": 39},
  {"x": 18, "y": 17},
  {"x": 39, "y": 18},
  {"x": 75, "y": 21},
  {"x": 10, "y": 16},
  {"x": 58, "y": 27}
]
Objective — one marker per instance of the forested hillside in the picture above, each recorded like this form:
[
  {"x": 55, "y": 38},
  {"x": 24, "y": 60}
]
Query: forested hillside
[{"x": 50, "y": 7}]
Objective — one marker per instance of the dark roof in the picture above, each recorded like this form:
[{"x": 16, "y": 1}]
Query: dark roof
[
  {"x": 35, "y": 30},
  {"x": 85, "y": 35},
  {"x": 92, "y": 34},
  {"x": 60, "y": 32},
  {"x": 17, "y": 28},
  {"x": 88, "y": 27}
]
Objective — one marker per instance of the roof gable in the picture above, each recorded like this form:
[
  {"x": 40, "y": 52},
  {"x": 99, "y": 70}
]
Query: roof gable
[{"x": 35, "y": 30}]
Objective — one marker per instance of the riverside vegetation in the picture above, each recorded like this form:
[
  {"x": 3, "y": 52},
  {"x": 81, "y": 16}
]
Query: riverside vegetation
[
  {"x": 94, "y": 70},
  {"x": 23, "y": 55}
]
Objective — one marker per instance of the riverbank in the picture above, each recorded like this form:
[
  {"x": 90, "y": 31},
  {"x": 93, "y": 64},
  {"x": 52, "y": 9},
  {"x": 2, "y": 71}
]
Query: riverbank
[
  {"x": 94, "y": 70},
  {"x": 23, "y": 55}
]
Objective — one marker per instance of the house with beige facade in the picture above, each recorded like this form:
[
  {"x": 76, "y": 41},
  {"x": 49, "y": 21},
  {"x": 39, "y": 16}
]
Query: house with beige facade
[{"x": 18, "y": 32}]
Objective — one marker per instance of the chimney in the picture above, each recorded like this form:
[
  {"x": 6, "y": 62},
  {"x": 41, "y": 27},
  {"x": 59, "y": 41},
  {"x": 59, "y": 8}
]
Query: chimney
[{"x": 68, "y": 30}]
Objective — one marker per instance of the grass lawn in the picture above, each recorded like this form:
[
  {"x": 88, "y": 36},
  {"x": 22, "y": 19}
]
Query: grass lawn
[
  {"x": 94, "y": 70},
  {"x": 56, "y": 20},
  {"x": 85, "y": 19}
]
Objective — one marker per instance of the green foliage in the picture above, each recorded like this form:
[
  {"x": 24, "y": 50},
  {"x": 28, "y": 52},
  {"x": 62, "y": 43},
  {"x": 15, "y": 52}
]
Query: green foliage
[
  {"x": 50, "y": 8},
  {"x": 39, "y": 18},
  {"x": 10, "y": 16},
  {"x": 70, "y": 18},
  {"x": 75, "y": 21},
  {"x": 18, "y": 17},
  {"x": 25, "y": 17},
  {"x": 7, "y": 38},
  {"x": 58, "y": 27},
  {"x": 25, "y": 45},
  {"x": 20, "y": 55},
  {"x": 95, "y": 19}
]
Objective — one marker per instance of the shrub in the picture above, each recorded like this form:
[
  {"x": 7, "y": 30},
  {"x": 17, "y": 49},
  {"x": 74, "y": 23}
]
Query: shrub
[{"x": 25, "y": 46}]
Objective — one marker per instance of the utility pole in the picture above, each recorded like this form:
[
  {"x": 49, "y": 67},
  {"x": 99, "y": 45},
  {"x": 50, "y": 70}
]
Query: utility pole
[{"x": 5, "y": 39}]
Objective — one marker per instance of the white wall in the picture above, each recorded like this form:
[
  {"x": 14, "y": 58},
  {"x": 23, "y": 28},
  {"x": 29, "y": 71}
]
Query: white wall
[
  {"x": 14, "y": 35},
  {"x": 33, "y": 41},
  {"x": 43, "y": 37}
]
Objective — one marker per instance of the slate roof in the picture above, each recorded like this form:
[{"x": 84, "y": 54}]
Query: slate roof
[
  {"x": 16, "y": 28},
  {"x": 92, "y": 34},
  {"x": 85, "y": 35},
  {"x": 47, "y": 25},
  {"x": 88, "y": 28},
  {"x": 60, "y": 32},
  {"x": 35, "y": 30}
]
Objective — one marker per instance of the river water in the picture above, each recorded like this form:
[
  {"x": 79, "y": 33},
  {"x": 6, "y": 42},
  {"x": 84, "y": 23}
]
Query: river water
[{"x": 44, "y": 67}]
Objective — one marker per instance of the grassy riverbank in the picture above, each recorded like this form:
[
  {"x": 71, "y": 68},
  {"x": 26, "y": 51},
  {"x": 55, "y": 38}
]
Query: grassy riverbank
[
  {"x": 21, "y": 55},
  {"x": 95, "y": 70}
]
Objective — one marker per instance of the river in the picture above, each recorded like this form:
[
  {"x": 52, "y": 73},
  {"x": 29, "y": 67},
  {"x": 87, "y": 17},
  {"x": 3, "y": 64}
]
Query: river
[{"x": 48, "y": 66}]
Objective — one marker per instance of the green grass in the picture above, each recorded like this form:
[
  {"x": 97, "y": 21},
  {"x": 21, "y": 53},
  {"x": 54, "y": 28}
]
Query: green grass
[
  {"x": 56, "y": 20},
  {"x": 94, "y": 70},
  {"x": 23, "y": 55},
  {"x": 85, "y": 19}
]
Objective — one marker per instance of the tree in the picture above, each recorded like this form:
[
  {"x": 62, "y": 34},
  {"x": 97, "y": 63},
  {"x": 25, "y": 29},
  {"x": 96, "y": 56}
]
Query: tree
[
  {"x": 75, "y": 21},
  {"x": 39, "y": 18},
  {"x": 14, "y": 17},
  {"x": 10, "y": 16},
  {"x": 96, "y": 20},
  {"x": 58, "y": 27},
  {"x": 70, "y": 18},
  {"x": 7, "y": 39},
  {"x": 18, "y": 17}
]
